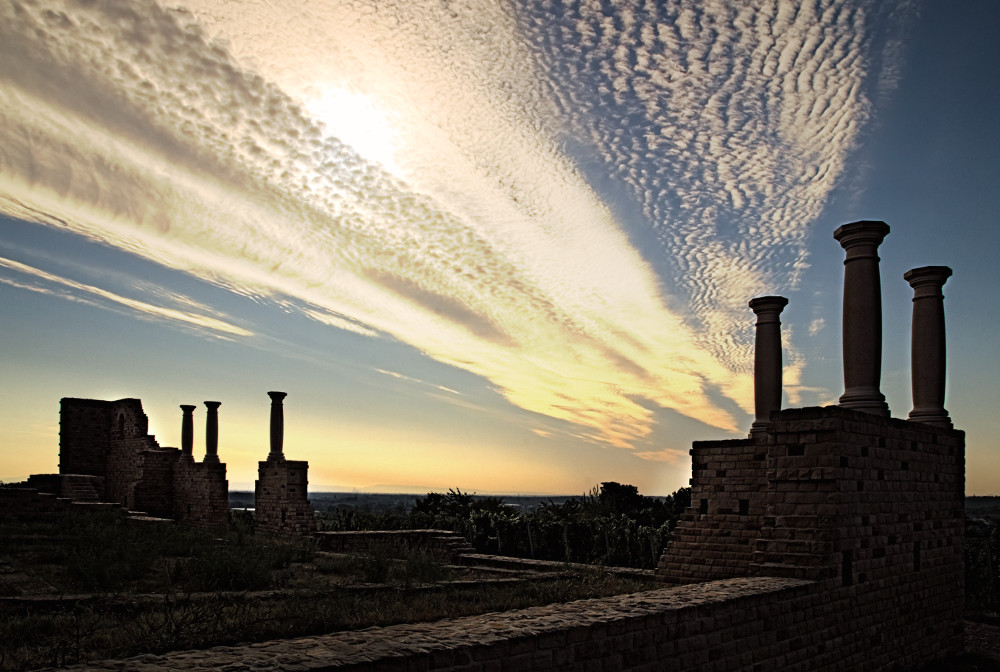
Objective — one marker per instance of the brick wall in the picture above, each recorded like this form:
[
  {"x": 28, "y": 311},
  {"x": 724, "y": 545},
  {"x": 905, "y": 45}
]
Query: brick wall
[
  {"x": 871, "y": 507},
  {"x": 84, "y": 432},
  {"x": 110, "y": 439},
  {"x": 153, "y": 489},
  {"x": 201, "y": 494},
  {"x": 715, "y": 537},
  {"x": 281, "y": 498},
  {"x": 756, "y": 624}
]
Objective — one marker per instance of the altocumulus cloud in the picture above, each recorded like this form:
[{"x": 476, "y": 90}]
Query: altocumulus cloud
[{"x": 222, "y": 143}]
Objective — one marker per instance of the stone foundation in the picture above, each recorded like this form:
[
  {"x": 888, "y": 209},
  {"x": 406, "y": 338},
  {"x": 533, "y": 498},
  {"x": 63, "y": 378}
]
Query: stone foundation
[{"x": 281, "y": 499}]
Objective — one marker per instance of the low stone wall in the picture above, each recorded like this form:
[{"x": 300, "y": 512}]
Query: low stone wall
[
  {"x": 23, "y": 502},
  {"x": 756, "y": 623},
  {"x": 443, "y": 545},
  {"x": 19, "y": 501}
]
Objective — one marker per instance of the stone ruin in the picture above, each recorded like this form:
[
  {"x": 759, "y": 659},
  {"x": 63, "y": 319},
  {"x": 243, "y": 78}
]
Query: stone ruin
[
  {"x": 280, "y": 492},
  {"x": 107, "y": 456},
  {"x": 869, "y": 507},
  {"x": 829, "y": 539}
]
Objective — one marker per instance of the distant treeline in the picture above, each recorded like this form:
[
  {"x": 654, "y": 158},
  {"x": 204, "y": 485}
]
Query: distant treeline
[{"x": 612, "y": 525}]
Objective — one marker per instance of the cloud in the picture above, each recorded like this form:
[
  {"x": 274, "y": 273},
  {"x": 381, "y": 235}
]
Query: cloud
[
  {"x": 726, "y": 123},
  {"x": 491, "y": 238},
  {"x": 417, "y": 381},
  {"x": 86, "y": 294},
  {"x": 671, "y": 456}
]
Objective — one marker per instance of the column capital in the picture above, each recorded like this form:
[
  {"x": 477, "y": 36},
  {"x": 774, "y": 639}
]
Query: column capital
[
  {"x": 212, "y": 405},
  {"x": 188, "y": 408},
  {"x": 863, "y": 233},
  {"x": 765, "y": 307},
  {"x": 276, "y": 397},
  {"x": 927, "y": 281}
]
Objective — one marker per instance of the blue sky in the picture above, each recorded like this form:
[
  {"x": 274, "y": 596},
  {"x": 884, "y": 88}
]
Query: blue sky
[{"x": 501, "y": 247}]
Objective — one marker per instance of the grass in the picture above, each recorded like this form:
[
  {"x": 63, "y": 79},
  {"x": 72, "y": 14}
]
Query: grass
[{"x": 151, "y": 590}]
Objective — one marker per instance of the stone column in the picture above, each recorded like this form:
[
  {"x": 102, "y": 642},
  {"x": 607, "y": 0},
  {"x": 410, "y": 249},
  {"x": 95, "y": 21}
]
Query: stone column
[
  {"x": 766, "y": 360},
  {"x": 212, "y": 432},
  {"x": 862, "y": 328},
  {"x": 927, "y": 351},
  {"x": 187, "y": 433},
  {"x": 277, "y": 426}
]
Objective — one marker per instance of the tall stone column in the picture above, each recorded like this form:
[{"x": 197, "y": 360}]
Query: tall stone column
[
  {"x": 277, "y": 426},
  {"x": 862, "y": 316},
  {"x": 927, "y": 350},
  {"x": 187, "y": 433},
  {"x": 212, "y": 432},
  {"x": 766, "y": 360}
]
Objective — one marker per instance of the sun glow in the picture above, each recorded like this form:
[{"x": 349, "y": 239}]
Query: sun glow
[{"x": 357, "y": 120}]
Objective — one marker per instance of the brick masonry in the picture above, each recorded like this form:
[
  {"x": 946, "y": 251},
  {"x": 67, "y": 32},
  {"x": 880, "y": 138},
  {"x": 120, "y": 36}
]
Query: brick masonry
[
  {"x": 281, "y": 498},
  {"x": 849, "y": 550},
  {"x": 107, "y": 454},
  {"x": 870, "y": 507}
]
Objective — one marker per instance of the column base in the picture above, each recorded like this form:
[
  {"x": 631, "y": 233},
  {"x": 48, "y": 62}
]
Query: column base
[
  {"x": 931, "y": 416},
  {"x": 759, "y": 427},
  {"x": 865, "y": 399},
  {"x": 211, "y": 459}
]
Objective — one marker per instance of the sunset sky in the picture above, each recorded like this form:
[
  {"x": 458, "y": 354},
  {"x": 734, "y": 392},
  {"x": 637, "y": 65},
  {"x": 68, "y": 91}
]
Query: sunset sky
[{"x": 503, "y": 246}]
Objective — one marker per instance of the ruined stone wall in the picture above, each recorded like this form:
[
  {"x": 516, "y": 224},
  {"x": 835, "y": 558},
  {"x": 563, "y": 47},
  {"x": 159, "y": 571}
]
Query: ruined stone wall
[
  {"x": 110, "y": 439},
  {"x": 870, "y": 507},
  {"x": 22, "y": 501},
  {"x": 84, "y": 435},
  {"x": 201, "y": 494},
  {"x": 281, "y": 498},
  {"x": 126, "y": 461},
  {"x": 715, "y": 537},
  {"x": 153, "y": 491}
]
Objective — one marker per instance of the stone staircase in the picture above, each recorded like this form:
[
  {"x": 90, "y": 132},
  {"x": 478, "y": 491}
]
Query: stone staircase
[{"x": 82, "y": 488}]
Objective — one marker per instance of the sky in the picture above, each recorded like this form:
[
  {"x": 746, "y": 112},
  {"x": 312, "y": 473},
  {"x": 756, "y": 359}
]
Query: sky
[{"x": 501, "y": 246}]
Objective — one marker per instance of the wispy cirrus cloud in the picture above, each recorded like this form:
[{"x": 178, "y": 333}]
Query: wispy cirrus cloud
[
  {"x": 77, "y": 291},
  {"x": 205, "y": 140},
  {"x": 417, "y": 381}
]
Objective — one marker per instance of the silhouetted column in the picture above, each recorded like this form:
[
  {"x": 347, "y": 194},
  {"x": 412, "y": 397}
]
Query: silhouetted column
[
  {"x": 862, "y": 316},
  {"x": 277, "y": 426},
  {"x": 187, "y": 433},
  {"x": 927, "y": 351},
  {"x": 766, "y": 360},
  {"x": 212, "y": 432}
]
